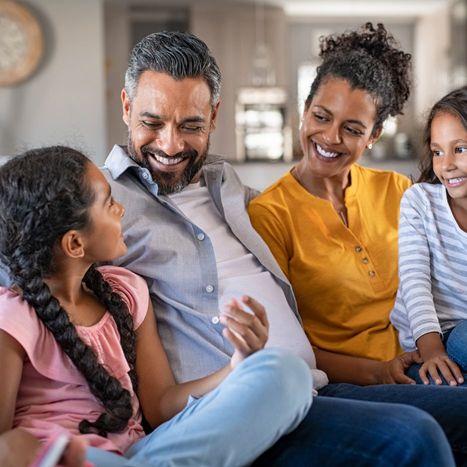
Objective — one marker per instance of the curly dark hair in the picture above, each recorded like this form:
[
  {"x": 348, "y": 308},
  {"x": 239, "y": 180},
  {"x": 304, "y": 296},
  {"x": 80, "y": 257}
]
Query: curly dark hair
[
  {"x": 43, "y": 195},
  {"x": 454, "y": 103},
  {"x": 368, "y": 59}
]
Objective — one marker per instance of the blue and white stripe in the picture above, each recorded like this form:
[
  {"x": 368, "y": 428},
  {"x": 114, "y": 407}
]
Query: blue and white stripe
[{"x": 432, "y": 295}]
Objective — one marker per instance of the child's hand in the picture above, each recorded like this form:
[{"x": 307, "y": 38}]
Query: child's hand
[
  {"x": 246, "y": 330},
  {"x": 75, "y": 453},
  {"x": 441, "y": 365},
  {"x": 17, "y": 448}
]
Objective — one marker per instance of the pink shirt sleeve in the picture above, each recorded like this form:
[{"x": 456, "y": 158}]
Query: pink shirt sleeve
[
  {"x": 131, "y": 287},
  {"x": 19, "y": 320}
]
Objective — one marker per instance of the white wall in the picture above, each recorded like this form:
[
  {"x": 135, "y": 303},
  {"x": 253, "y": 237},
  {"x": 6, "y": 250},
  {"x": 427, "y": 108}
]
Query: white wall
[
  {"x": 64, "y": 101},
  {"x": 228, "y": 28},
  {"x": 431, "y": 59}
]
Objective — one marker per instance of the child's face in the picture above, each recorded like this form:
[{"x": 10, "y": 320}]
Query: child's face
[
  {"x": 104, "y": 238},
  {"x": 449, "y": 152}
]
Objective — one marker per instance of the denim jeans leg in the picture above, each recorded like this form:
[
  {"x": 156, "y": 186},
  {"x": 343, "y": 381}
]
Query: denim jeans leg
[
  {"x": 100, "y": 458},
  {"x": 446, "y": 404},
  {"x": 339, "y": 432},
  {"x": 265, "y": 397},
  {"x": 456, "y": 345}
]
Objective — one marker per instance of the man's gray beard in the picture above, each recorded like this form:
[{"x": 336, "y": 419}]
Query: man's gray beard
[{"x": 166, "y": 182}]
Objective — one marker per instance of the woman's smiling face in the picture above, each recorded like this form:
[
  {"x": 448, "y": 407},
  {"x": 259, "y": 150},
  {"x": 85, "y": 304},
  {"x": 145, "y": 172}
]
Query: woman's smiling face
[{"x": 337, "y": 126}]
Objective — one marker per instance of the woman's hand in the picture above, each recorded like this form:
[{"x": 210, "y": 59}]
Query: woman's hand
[
  {"x": 393, "y": 371},
  {"x": 441, "y": 365},
  {"x": 247, "y": 331}
]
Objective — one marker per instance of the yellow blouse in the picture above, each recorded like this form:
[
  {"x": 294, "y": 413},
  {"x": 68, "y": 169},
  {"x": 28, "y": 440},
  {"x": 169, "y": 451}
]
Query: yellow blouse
[{"x": 345, "y": 278}]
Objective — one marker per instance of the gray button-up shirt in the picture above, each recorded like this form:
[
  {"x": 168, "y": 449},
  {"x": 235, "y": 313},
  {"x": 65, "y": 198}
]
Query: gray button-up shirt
[{"x": 177, "y": 259}]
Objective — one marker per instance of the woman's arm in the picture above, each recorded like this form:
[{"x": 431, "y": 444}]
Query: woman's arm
[
  {"x": 160, "y": 397},
  {"x": 356, "y": 370}
]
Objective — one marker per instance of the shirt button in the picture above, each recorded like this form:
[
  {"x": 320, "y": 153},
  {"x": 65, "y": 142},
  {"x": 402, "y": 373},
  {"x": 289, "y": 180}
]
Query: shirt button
[
  {"x": 200, "y": 236},
  {"x": 145, "y": 175},
  {"x": 215, "y": 320},
  {"x": 209, "y": 288},
  {"x": 365, "y": 260},
  {"x": 358, "y": 249},
  {"x": 372, "y": 273}
]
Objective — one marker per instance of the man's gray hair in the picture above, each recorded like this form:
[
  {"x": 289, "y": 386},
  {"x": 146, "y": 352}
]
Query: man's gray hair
[{"x": 178, "y": 54}]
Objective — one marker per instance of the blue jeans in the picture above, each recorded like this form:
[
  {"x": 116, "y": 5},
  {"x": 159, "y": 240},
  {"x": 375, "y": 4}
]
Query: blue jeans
[
  {"x": 446, "y": 404},
  {"x": 341, "y": 432},
  {"x": 262, "y": 401},
  {"x": 455, "y": 342},
  {"x": 265, "y": 397}
]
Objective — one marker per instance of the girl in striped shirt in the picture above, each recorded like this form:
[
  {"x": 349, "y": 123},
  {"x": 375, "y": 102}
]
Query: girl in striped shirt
[{"x": 431, "y": 307}]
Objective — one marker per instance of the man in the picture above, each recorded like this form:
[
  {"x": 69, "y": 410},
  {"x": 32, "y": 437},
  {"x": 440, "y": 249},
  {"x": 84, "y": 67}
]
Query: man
[{"x": 189, "y": 236}]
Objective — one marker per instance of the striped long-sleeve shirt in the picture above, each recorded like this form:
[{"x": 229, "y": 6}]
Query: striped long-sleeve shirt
[{"x": 432, "y": 294}]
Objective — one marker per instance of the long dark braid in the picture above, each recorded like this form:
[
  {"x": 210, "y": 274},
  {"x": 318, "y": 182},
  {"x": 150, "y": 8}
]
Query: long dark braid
[
  {"x": 117, "y": 308},
  {"x": 43, "y": 195}
]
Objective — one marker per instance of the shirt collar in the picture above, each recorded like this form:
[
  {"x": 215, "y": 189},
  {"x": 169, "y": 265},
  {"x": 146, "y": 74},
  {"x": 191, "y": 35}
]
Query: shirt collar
[{"x": 118, "y": 161}]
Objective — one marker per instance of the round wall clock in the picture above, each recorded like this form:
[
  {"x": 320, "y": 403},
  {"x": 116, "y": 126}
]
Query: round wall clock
[{"x": 21, "y": 42}]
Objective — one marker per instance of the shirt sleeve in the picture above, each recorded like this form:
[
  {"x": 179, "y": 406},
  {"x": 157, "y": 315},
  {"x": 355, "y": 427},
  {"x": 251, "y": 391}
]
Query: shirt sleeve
[
  {"x": 20, "y": 321},
  {"x": 415, "y": 267},
  {"x": 131, "y": 287}
]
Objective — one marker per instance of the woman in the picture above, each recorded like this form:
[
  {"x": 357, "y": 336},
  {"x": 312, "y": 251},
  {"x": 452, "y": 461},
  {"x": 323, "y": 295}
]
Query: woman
[{"x": 332, "y": 224}]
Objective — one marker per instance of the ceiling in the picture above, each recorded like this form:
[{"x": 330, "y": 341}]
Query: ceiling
[{"x": 408, "y": 9}]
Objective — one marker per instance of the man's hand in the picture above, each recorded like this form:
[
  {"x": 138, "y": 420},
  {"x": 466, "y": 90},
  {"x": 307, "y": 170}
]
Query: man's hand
[
  {"x": 393, "y": 371},
  {"x": 247, "y": 331}
]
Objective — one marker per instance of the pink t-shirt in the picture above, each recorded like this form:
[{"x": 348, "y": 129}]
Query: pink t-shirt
[{"x": 53, "y": 395}]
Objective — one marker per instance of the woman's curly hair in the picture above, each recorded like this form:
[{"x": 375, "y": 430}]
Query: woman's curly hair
[
  {"x": 368, "y": 59},
  {"x": 454, "y": 103},
  {"x": 43, "y": 195}
]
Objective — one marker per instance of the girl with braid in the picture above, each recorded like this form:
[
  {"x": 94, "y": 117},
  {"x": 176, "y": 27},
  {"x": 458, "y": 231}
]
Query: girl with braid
[{"x": 79, "y": 348}]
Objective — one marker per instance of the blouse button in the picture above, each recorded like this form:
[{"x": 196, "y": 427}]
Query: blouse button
[
  {"x": 358, "y": 249},
  {"x": 209, "y": 288},
  {"x": 215, "y": 320},
  {"x": 372, "y": 273},
  {"x": 200, "y": 237},
  {"x": 365, "y": 260}
]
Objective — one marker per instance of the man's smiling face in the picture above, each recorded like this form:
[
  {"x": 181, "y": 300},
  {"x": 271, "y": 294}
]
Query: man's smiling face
[{"x": 169, "y": 123}]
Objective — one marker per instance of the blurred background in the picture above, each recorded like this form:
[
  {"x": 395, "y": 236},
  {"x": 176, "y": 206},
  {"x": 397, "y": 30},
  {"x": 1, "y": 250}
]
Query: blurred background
[{"x": 267, "y": 52}]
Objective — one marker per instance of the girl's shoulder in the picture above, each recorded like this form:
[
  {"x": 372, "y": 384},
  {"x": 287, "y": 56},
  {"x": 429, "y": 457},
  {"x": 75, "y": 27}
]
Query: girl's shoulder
[
  {"x": 16, "y": 315},
  {"x": 428, "y": 193},
  {"x": 131, "y": 287},
  {"x": 121, "y": 276},
  {"x": 19, "y": 320}
]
